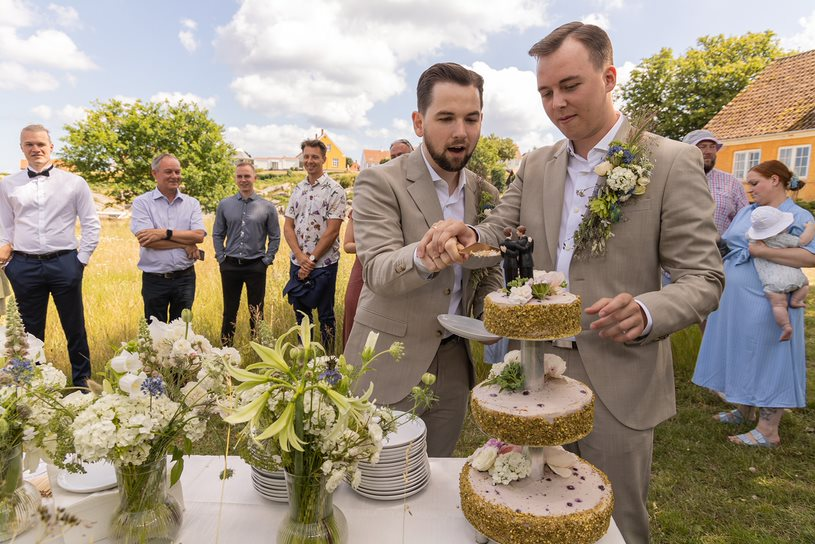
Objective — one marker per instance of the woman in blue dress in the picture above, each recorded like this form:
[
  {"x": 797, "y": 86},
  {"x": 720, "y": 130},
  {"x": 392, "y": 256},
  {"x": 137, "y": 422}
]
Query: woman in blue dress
[{"x": 741, "y": 356}]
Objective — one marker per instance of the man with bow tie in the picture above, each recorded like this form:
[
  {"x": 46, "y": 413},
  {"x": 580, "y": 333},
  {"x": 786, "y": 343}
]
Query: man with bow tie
[{"x": 38, "y": 247}]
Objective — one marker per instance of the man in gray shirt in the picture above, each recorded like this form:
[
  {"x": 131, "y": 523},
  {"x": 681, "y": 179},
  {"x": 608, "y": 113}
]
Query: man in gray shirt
[{"x": 246, "y": 221}]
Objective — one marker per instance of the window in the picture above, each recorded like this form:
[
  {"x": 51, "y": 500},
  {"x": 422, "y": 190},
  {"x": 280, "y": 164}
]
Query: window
[
  {"x": 328, "y": 147},
  {"x": 335, "y": 163},
  {"x": 796, "y": 158},
  {"x": 743, "y": 161}
]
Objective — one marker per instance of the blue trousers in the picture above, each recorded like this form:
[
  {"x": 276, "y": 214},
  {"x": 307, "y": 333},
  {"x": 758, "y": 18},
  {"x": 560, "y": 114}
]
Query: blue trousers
[{"x": 33, "y": 280}]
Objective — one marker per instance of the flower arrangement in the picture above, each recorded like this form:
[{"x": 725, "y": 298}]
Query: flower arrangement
[
  {"x": 509, "y": 374},
  {"x": 540, "y": 286},
  {"x": 299, "y": 405},
  {"x": 625, "y": 172},
  {"x": 507, "y": 463}
]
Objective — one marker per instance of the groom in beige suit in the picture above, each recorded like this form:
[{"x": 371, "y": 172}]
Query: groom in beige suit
[
  {"x": 623, "y": 353},
  {"x": 394, "y": 205}
]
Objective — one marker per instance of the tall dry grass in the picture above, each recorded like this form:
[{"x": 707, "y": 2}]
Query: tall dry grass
[{"x": 113, "y": 303}]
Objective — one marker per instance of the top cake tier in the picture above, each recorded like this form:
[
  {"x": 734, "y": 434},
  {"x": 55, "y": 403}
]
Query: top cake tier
[{"x": 556, "y": 316}]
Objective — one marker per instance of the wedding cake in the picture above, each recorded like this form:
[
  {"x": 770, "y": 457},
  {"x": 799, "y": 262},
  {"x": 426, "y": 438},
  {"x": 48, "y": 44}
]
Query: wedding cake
[
  {"x": 537, "y": 308},
  {"x": 521, "y": 486}
]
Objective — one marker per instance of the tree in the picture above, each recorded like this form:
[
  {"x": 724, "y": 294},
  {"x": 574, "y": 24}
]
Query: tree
[
  {"x": 112, "y": 148},
  {"x": 686, "y": 92},
  {"x": 488, "y": 157}
]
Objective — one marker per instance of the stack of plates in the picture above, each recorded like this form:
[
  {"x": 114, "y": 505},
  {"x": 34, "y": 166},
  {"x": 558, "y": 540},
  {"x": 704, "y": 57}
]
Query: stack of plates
[
  {"x": 270, "y": 485},
  {"x": 403, "y": 468}
]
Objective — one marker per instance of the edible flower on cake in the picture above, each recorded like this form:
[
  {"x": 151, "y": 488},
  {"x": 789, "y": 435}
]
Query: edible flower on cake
[
  {"x": 507, "y": 463},
  {"x": 507, "y": 372},
  {"x": 541, "y": 285}
]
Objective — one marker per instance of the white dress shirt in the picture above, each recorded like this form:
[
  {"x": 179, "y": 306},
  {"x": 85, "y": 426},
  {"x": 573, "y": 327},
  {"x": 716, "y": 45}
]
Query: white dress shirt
[
  {"x": 580, "y": 183},
  {"x": 452, "y": 207},
  {"x": 38, "y": 214}
]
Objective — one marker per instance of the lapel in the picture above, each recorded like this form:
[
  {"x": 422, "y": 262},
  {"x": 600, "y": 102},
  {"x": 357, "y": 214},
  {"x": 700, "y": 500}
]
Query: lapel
[
  {"x": 554, "y": 184},
  {"x": 471, "y": 197},
  {"x": 421, "y": 189}
]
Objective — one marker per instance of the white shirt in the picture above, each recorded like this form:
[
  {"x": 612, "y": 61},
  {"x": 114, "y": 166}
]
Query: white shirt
[
  {"x": 38, "y": 214},
  {"x": 580, "y": 183},
  {"x": 452, "y": 207}
]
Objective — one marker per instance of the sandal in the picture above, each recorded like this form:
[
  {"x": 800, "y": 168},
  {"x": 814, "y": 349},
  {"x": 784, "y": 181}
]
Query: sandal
[
  {"x": 753, "y": 438},
  {"x": 733, "y": 417}
]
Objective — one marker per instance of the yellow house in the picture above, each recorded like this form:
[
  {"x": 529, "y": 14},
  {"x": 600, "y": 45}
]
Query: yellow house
[
  {"x": 334, "y": 157},
  {"x": 772, "y": 118}
]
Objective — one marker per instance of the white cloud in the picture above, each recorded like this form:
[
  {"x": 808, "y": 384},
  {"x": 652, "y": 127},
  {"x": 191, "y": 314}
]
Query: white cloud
[
  {"x": 269, "y": 140},
  {"x": 46, "y": 48},
  {"x": 16, "y": 76},
  {"x": 623, "y": 75},
  {"x": 187, "y": 35},
  {"x": 282, "y": 68},
  {"x": 176, "y": 97},
  {"x": 512, "y": 107},
  {"x": 610, "y": 4},
  {"x": 42, "y": 111},
  {"x": 598, "y": 19},
  {"x": 65, "y": 16},
  {"x": 16, "y": 13},
  {"x": 805, "y": 39}
]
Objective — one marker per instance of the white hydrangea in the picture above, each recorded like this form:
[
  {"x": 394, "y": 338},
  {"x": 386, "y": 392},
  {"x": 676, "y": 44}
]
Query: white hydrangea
[
  {"x": 622, "y": 179},
  {"x": 509, "y": 467}
]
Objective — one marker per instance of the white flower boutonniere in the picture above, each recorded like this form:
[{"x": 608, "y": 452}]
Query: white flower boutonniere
[{"x": 626, "y": 172}]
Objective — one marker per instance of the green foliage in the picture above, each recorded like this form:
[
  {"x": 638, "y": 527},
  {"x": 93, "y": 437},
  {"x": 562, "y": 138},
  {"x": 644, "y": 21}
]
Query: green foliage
[
  {"x": 807, "y": 205},
  {"x": 346, "y": 180},
  {"x": 511, "y": 378},
  {"x": 113, "y": 147},
  {"x": 489, "y": 155},
  {"x": 687, "y": 91},
  {"x": 349, "y": 162}
]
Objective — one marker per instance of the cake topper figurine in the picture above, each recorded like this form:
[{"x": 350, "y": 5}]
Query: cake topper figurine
[
  {"x": 525, "y": 246},
  {"x": 509, "y": 252}
]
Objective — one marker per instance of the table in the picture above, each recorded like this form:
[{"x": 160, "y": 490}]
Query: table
[{"x": 231, "y": 511}]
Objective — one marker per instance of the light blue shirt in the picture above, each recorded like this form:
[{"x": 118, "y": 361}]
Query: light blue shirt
[{"x": 153, "y": 210}]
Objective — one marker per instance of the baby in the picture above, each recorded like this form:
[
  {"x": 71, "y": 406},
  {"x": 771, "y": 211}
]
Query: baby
[{"x": 769, "y": 225}]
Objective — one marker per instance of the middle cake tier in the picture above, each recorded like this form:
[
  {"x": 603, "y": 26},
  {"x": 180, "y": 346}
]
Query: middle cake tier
[{"x": 559, "y": 413}]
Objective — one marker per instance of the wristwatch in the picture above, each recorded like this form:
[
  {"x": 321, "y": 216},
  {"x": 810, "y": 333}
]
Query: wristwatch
[
  {"x": 312, "y": 258},
  {"x": 169, "y": 234}
]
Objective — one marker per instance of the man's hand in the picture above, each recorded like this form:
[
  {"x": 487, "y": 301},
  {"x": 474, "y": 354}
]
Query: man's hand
[
  {"x": 148, "y": 236},
  {"x": 305, "y": 263},
  {"x": 192, "y": 252},
  {"x": 621, "y": 319},
  {"x": 5, "y": 254},
  {"x": 440, "y": 246},
  {"x": 303, "y": 274}
]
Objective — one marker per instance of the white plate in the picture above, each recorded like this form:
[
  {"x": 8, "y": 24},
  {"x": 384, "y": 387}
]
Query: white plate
[
  {"x": 409, "y": 430},
  {"x": 467, "y": 327},
  {"x": 402, "y": 454},
  {"x": 98, "y": 476},
  {"x": 393, "y": 496},
  {"x": 396, "y": 483},
  {"x": 391, "y": 468}
]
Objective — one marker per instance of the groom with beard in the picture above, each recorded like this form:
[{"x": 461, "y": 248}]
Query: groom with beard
[{"x": 394, "y": 205}]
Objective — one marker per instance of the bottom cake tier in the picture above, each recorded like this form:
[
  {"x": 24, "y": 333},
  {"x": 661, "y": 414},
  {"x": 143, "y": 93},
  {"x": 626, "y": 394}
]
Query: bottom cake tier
[{"x": 574, "y": 510}]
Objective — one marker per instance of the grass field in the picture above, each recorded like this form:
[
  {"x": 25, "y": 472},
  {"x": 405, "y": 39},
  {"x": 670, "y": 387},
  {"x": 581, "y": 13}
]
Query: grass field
[{"x": 703, "y": 490}]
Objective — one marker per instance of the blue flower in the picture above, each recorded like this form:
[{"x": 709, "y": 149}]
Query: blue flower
[
  {"x": 331, "y": 376},
  {"x": 153, "y": 386},
  {"x": 628, "y": 157},
  {"x": 20, "y": 370}
]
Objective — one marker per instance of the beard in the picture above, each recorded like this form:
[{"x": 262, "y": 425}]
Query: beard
[
  {"x": 709, "y": 167},
  {"x": 447, "y": 163}
]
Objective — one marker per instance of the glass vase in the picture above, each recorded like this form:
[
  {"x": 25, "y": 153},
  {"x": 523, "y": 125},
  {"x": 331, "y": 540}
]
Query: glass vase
[
  {"x": 312, "y": 516},
  {"x": 147, "y": 512},
  {"x": 19, "y": 500}
]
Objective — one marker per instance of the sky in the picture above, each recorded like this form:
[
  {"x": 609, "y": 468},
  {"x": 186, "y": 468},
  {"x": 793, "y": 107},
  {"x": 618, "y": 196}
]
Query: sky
[{"x": 274, "y": 72}]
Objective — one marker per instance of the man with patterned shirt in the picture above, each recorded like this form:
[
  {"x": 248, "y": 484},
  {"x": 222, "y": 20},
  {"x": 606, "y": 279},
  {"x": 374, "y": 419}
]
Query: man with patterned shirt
[
  {"x": 39, "y": 207},
  {"x": 728, "y": 192},
  {"x": 312, "y": 227}
]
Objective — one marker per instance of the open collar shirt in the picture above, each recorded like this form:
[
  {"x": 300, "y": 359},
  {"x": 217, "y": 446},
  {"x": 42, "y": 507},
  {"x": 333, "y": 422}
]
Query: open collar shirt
[
  {"x": 38, "y": 215},
  {"x": 153, "y": 210},
  {"x": 729, "y": 196},
  {"x": 243, "y": 226},
  {"x": 311, "y": 207}
]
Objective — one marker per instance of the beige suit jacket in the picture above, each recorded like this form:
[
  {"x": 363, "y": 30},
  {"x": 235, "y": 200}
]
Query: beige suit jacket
[
  {"x": 670, "y": 226},
  {"x": 394, "y": 206}
]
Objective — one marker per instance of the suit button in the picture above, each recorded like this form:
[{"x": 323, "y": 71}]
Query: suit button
[
  {"x": 447, "y": 291},
  {"x": 439, "y": 333},
  {"x": 400, "y": 268}
]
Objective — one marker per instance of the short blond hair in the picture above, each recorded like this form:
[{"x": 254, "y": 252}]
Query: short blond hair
[{"x": 35, "y": 128}]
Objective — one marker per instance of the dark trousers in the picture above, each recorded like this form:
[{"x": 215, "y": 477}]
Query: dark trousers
[
  {"x": 234, "y": 275},
  {"x": 160, "y": 292},
  {"x": 321, "y": 297},
  {"x": 61, "y": 277}
]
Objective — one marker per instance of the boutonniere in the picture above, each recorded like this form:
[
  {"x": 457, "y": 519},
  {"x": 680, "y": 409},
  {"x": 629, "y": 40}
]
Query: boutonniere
[{"x": 625, "y": 173}]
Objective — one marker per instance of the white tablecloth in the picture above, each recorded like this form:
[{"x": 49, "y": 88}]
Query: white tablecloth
[{"x": 232, "y": 511}]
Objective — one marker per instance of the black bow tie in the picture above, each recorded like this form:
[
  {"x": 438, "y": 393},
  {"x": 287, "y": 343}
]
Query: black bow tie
[{"x": 46, "y": 172}]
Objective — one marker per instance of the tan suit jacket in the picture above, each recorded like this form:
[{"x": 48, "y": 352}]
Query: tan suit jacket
[
  {"x": 394, "y": 206},
  {"x": 670, "y": 226}
]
